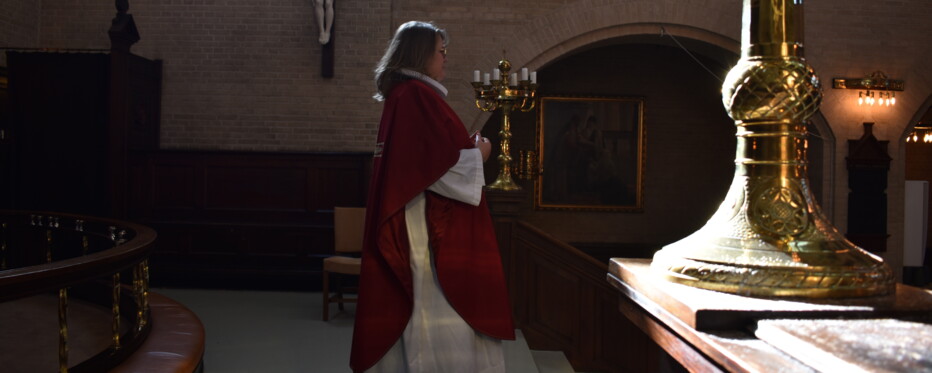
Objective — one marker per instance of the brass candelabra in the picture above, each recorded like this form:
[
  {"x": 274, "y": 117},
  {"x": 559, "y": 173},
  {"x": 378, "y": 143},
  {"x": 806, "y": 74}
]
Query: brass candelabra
[{"x": 506, "y": 91}]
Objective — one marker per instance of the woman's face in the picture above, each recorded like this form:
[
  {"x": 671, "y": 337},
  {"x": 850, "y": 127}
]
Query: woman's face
[{"x": 437, "y": 60}]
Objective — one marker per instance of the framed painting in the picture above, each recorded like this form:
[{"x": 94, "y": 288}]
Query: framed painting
[{"x": 591, "y": 153}]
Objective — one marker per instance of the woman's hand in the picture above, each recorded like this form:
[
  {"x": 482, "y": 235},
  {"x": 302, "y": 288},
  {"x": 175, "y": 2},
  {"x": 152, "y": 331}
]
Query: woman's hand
[{"x": 485, "y": 147}]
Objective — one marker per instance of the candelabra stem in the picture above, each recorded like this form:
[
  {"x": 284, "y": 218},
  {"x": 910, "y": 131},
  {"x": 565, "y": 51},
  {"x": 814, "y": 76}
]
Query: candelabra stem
[{"x": 504, "y": 180}]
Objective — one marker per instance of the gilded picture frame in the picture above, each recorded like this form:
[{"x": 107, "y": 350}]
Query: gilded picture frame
[{"x": 591, "y": 154}]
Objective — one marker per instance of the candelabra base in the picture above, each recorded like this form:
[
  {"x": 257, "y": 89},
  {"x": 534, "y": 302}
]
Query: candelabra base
[
  {"x": 505, "y": 184},
  {"x": 767, "y": 240}
]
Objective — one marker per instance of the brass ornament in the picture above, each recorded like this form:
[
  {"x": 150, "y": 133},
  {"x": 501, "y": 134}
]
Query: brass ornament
[
  {"x": 769, "y": 237},
  {"x": 779, "y": 210},
  {"x": 507, "y": 94}
]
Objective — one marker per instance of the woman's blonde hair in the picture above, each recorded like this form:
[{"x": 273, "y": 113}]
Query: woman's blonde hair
[{"x": 410, "y": 48}]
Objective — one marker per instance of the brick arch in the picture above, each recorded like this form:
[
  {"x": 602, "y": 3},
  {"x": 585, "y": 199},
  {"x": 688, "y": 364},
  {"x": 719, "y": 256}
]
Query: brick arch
[
  {"x": 588, "y": 21},
  {"x": 550, "y": 37},
  {"x": 576, "y": 42},
  {"x": 546, "y": 54},
  {"x": 546, "y": 38}
]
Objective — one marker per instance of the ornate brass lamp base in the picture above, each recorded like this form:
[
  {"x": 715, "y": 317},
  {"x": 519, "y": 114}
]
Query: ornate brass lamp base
[
  {"x": 769, "y": 237},
  {"x": 740, "y": 249},
  {"x": 504, "y": 182}
]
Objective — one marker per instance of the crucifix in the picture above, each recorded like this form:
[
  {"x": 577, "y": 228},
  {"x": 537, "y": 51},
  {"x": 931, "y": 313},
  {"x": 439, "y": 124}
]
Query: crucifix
[{"x": 324, "y": 12}]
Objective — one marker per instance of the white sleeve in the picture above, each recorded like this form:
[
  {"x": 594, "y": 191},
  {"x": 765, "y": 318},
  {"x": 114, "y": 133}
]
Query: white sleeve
[{"x": 464, "y": 181}]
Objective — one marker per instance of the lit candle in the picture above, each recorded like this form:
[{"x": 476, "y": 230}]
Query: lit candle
[
  {"x": 533, "y": 77},
  {"x": 486, "y": 80},
  {"x": 514, "y": 79},
  {"x": 475, "y": 76},
  {"x": 496, "y": 74},
  {"x": 523, "y": 73}
]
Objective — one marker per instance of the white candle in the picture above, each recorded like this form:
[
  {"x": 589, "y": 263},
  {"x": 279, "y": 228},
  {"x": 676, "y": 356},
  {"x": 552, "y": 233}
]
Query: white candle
[
  {"x": 486, "y": 80},
  {"x": 533, "y": 77},
  {"x": 523, "y": 73},
  {"x": 475, "y": 76},
  {"x": 514, "y": 79},
  {"x": 496, "y": 74}
]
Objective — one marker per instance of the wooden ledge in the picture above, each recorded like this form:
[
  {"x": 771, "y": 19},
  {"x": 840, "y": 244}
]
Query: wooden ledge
[
  {"x": 711, "y": 310},
  {"x": 175, "y": 343}
]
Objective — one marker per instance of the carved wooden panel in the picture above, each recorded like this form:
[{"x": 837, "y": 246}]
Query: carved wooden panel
[
  {"x": 144, "y": 104},
  {"x": 174, "y": 195},
  {"x": 238, "y": 219},
  {"x": 57, "y": 133},
  {"x": 562, "y": 301},
  {"x": 868, "y": 165},
  {"x": 248, "y": 188},
  {"x": 555, "y": 299},
  {"x": 620, "y": 345}
]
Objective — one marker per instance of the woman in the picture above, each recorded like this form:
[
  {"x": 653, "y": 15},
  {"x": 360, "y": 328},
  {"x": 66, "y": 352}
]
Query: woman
[{"x": 432, "y": 294}]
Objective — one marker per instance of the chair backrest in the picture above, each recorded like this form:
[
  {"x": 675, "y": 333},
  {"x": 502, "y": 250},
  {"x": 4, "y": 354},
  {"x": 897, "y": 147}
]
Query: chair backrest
[{"x": 348, "y": 227}]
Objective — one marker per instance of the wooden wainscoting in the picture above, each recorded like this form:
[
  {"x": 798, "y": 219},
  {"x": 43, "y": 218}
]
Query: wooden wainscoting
[
  {"x": 562, "y": 301},
  {"x": 257, "y": 220}
]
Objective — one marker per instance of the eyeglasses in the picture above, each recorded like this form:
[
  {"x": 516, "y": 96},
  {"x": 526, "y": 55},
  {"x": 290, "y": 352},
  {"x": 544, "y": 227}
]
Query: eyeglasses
[{"x": 443, "y": 51}]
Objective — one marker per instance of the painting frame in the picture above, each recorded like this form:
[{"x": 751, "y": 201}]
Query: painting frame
[{"x": 591, "y": 153}]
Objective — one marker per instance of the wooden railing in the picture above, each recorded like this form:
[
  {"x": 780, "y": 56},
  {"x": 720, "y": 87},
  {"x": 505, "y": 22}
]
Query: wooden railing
[
  {"x": 101, "y": 261},
  {"x": 562, "y": 301}
]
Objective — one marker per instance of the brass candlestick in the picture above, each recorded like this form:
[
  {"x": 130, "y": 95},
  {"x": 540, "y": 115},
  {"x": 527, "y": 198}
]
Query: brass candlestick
[
  {"x": 769, "y": 238},
  {"x": 505, "y": 92},
  {"x": 528, "y": 166}
]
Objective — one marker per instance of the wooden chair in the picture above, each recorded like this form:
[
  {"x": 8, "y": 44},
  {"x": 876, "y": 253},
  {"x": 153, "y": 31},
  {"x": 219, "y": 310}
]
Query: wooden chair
[{"x": 348, "y": 227}]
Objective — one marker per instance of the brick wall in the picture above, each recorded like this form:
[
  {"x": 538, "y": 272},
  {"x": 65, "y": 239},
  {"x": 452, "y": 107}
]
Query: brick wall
[
  {"x": 245, "y": 75},
  {"x": 19, "y": 25}
]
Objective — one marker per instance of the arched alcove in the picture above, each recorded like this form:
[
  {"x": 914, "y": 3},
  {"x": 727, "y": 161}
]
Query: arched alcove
[
  {"x": 689, "y": 146},
  {"x": 690, "y": 140},
  {"x": 918, "y": 160}
]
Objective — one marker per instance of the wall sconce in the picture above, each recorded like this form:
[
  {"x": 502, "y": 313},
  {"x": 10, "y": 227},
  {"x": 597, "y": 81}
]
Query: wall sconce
[
  {"x": 920, "y": 134},
  {"x": 875, "y": 89}
]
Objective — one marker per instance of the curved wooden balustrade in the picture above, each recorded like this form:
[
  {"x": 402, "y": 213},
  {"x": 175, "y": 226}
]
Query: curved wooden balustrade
[{"x": 42, "y": 252}]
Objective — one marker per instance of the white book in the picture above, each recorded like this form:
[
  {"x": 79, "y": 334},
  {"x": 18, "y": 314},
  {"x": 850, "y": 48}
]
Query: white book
[{"x": 869, "y": 345}]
